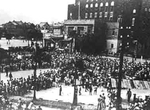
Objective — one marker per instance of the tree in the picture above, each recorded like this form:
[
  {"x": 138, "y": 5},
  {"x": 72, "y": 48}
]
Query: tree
[
  {"x": 3, "y": 55},
  {"x": 95, "y": 43},
  {"x": 34, "y": 34},
  {"x": 5, "y": 33}
]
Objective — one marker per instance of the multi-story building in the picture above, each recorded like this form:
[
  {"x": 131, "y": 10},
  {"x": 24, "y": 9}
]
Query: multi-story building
[{"x": 127, "y": 13}]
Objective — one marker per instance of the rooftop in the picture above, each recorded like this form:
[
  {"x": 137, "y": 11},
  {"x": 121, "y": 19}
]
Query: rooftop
[{"x": 79, "y": 22}]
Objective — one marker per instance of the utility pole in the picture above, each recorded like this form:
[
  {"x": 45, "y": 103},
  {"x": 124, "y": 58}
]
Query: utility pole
[
  {"x": 75, "y": 95},
  {"x": 35, "y": 68},
  {"x": 75, "y": 99},
  {"x": 124, "y": 32},
  {"x": 79, "y": 16},
  {"x": 119, "y": 100}
]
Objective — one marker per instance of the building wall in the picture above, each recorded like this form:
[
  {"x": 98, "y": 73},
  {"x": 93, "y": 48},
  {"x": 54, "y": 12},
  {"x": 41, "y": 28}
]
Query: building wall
[
  {"x": 80, "y": 26},
  {"x": 112, "y": 46},
  {"x": 129, "y": 13},
  {"x": 112, "y": 43},
  {"x": 111, "y": 8},
  {"x": 108, "y": 11},
  {"x": 72, "y": 12}
]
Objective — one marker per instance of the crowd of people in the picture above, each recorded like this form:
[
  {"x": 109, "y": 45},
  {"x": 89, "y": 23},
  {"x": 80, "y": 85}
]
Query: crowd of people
[
  {"x": 6, "y": 104},
  {"x": 91, "y": 71},
  {"x": 20, "y": 58}
]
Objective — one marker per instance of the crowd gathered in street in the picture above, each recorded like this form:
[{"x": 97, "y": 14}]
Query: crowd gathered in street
[{"x": 91, "y": 72}]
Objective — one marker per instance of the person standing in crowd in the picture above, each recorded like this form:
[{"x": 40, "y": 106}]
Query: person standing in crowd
[
  {"x": 30, "y": 105},
  {"x": 79, "y": 90},
  {"x": 60, "y": 90},
  {"x": 10, "y": 76},
  {"x": 90, "y": 87},
  {"x": 6, "y": 70},
  {"x": 95, "y": 90},
  {"x": 20, "y": 103},
  {"x": 129, "y": 94},
  {"x": 39, "y": 108},
  {"x": 101, "y": 103}
]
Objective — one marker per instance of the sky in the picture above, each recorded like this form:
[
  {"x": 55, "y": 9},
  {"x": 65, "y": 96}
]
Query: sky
[{"x": 34, "y": 11}]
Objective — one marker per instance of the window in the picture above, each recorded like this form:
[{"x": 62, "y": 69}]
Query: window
[
  {"x": 95, "y": 15},
  {"x": 113, "y": 32},
  {"x": 112, "y": 45},
  {"x": 106, "y": 14},
  {"x": 149, "y": 9},
  {"x": 145, "y": 9},
  {"x": 87, "y": 0},
  {"x": 119, "y": 19},
  {"x": 134, "y": 11},
  {"x": 100, "y": 15},
  {"x": 111, "y": 14},
  {"x": 112, "y": 3},
  {"x": 110, "y": 19},
  {"x": 133, "y": 21},
  {"x": 91, "y": 14},
  {"x": 70, "y": 15},
  {"x": 96, "y": 4},
  {"x": 106, "y": 4},
  {"x": 106, "y": 8},
  {"x": 111, "y": 8},
  {"x": 101, "y": 4},
  {"x": 91, "y": 5},
  {"x": 86, "y": 6},
  {"x": 91, "y": 0},
  {"x": 86, "y": 15},
  {"x": 101, "y": 8}
]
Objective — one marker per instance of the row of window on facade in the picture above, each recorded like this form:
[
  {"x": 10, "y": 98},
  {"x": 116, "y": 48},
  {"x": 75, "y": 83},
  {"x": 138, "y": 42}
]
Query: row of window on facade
[
  {"x": 90, "y": 0},
  {"x": 100, "y": 5},
  {"x": 132, "y": 21},
  {"x": 147, "y": 9},
  {"x": 106, "y": 8},
  {"x": 100, "y": 15},
  {"x": 111, "y": 8},
  {"x": 106, "y": 4}
]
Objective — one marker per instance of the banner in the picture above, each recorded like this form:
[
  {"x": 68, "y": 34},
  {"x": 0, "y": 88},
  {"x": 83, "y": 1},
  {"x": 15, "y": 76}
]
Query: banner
[
  {"x": 136, "y": 83},
  {"x": 146, "y": 84},
  {"x": 127, "y": 83},
  {"x": 143, "y": 85},
  {"x": 113, "y": 83}
]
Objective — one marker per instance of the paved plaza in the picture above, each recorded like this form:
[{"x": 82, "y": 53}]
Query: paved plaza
[
  {"x": 67, "y": 91},
  {"x": 13, "y": 43}
]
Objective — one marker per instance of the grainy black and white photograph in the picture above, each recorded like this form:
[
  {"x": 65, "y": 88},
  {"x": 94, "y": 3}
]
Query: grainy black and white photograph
[{"x": 75, "y": 55}]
